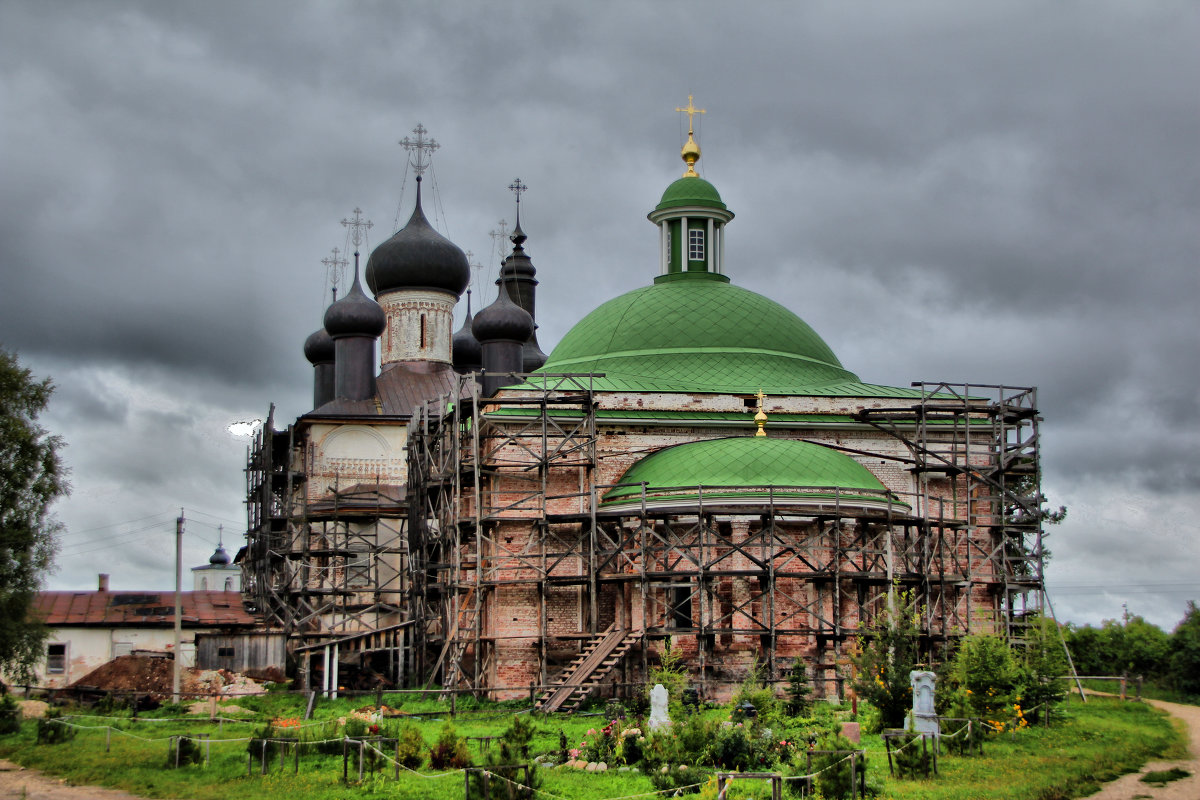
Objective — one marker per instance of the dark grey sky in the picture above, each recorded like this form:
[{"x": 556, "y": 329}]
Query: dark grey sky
[{"x": 1000, "y": 192}]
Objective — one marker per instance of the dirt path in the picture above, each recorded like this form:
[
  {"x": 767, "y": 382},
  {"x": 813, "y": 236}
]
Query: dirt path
[
  {"x": 1130, "y": 786},
  {"x": 18, "y": 783}
]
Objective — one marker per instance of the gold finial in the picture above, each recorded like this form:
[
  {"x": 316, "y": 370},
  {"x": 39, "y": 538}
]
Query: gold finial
[
  {"x": 760, "y": 419},
  {"x": 691, "y": 150}
]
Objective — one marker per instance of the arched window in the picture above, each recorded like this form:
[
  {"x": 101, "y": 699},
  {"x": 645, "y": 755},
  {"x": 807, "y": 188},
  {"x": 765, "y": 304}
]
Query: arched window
[{"x": 229, "y": 584}]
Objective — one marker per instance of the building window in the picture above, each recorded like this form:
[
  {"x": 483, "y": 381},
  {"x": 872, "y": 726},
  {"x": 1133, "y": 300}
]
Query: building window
[
  {"x": 229, "y": 584},
  {"x": 224, "y": 652},
  {"x": 422, "y": 331},
  {"x": 56, "y": 659},
  {"x": 695, "y": 245},
  {"x": 358, "y": 569},
  {"x": 681, "y": 607}
]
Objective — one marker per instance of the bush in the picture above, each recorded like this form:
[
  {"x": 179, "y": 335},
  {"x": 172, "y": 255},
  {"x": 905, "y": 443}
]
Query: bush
[
  {"x": 187, "y": 752},
  {"x": 733, "y": 749},
  {"x": 1043, "y": 662},
  {"x": 511, "y": 781},
  {"x": 675, "y": 778},
  {"x": 672, "y": 673},
  {"x": 835, "y": 774},
  {"x": 799, "y": 691},
  {"x": 984, "y": 680},
  {"x": 52, "y": 730},
  {"x": 757, "y": 692},
  {"x": 888, "y": 651},
  {"x": 912, "y": 757},
  {"x": 450, "y": 751},
  {"x": 410, "y": 747},
  {"x": 10, "y": 715}
]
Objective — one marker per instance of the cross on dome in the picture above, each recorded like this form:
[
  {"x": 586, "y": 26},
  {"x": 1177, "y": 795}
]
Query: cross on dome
[
  {"x": 420, "y": 149},
  {"x": 691, "y": 111},
  {"x": 358, "y": 228},
  {"x": 691, "y": 151}
]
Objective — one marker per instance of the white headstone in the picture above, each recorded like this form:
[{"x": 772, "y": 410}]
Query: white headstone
[
  {"x": 924, "y": 714},
  {"x": 659, "y": 718}
]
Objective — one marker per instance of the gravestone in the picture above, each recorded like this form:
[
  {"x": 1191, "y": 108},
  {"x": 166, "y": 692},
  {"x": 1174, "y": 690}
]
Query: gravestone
[
  {"x": 924, "y": 715},
  {"x": 659, "y": 718}
]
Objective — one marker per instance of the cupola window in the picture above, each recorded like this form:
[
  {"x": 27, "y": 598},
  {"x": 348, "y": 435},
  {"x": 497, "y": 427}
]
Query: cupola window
[{"x": 695, "y": 245}]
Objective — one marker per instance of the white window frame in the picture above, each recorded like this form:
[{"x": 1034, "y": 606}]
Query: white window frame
[
  {"x": 61, "y": 668},
  {"x": 695, "y": 243}
]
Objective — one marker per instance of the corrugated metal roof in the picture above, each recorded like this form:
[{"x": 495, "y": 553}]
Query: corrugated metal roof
[{"x": 142, "y": 609}]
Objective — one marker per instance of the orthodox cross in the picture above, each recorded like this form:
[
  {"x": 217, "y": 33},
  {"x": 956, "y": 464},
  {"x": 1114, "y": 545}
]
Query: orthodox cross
[
  {"x": 358, "y": 228},
  {"x": 333, "y": 268},
  {"x": 691, "y": 111},
  {"x": 420, "y": 149},
  {"x": 517, "y": 188},
  {"x": 499, "y": 236},
  {"x": 476, "y": 268},
  {"x": 760, "y": 419}
]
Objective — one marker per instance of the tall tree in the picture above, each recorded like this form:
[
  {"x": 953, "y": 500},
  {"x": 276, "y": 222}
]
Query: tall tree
[
  {"x": 31, "y": 478},
  {"x": 1185, "y": 652}
]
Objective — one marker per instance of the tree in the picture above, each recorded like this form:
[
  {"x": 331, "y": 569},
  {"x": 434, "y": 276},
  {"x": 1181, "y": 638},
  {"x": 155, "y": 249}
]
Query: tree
[
  {"x": 1185, "y": 652},
  {"x": 888, "y": 651},
  {"x": 31, "y": 478}
]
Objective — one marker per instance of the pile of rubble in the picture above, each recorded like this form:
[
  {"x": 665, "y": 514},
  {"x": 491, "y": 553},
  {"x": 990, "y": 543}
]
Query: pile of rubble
[{"x": 154, "y": 676}]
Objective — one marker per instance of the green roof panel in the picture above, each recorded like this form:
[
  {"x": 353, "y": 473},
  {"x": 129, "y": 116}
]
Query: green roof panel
[
  {"x": 745, "y": 466},
  {"x": 698, "y": 332},
  {"x": 690, "y": 191}
]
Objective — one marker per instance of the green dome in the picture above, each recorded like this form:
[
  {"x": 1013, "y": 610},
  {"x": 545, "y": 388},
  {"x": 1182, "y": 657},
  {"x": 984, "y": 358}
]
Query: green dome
[
  {"x": 696, "y": 332},
  {"x": 747, "y": 468},
  {"x": 690, "y": 192}
]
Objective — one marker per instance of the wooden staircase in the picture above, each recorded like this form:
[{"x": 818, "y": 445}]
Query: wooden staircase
[
  {"x": 457, "y": 640},
  {"x": 581, "y": 677}
]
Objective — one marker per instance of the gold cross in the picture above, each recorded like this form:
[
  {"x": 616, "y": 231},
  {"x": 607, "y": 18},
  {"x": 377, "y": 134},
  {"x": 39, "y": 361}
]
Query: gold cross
[
  {"x": 760, "y": 419},
  {"x": 691, "y": 111}
]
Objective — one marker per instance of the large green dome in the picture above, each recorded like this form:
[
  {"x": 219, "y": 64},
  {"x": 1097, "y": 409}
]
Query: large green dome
[
  {"x": 696, "y": 332},
  {"x": 690, "y": 191},
  {"x": 747, "y": 468}
]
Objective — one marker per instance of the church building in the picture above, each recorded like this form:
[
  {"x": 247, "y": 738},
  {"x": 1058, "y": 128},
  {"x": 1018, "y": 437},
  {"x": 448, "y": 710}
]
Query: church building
[{"x": 691, "y": 467}]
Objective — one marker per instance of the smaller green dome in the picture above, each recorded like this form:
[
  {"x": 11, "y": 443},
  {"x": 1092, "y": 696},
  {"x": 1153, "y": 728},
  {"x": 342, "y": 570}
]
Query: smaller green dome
[
  {"x": 749, "y": 470},
  {"x": 689, "y": 191}
]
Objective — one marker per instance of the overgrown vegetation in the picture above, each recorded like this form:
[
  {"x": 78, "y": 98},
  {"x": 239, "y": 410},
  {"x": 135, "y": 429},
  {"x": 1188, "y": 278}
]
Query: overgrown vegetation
[
  {"x": 1085, "y": 745},
  {"x": 1169, "y": 663},
  {"x": 10, "y": 715}
]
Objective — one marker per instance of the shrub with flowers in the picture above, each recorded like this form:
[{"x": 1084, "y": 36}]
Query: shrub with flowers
[
  {"x": 984, "y": 681},
  {"x": 630, "y": 746}
]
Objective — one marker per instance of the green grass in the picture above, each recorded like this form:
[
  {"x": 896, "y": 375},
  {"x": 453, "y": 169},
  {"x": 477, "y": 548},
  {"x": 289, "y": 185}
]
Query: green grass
[
  {"x": 1150, "y": 690},
  {"x": 1162, "y": 777},
  {"x": 1088, "y": 744}
]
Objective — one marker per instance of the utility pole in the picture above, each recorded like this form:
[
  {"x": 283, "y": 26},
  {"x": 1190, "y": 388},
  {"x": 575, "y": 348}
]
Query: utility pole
[{"x": 178, "y": 606}]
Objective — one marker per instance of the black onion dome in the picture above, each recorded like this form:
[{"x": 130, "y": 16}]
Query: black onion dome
[
  {"x": 355, "y": 315},
  {"x": 318, "y": 347},
  {"x": 466, "y": 352},
  {"x": 503, "y": 320},
  {"x": 220, "y": 557},
  {"x": 418, "y": 257},
  {"x": 518, "y": 263}
]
